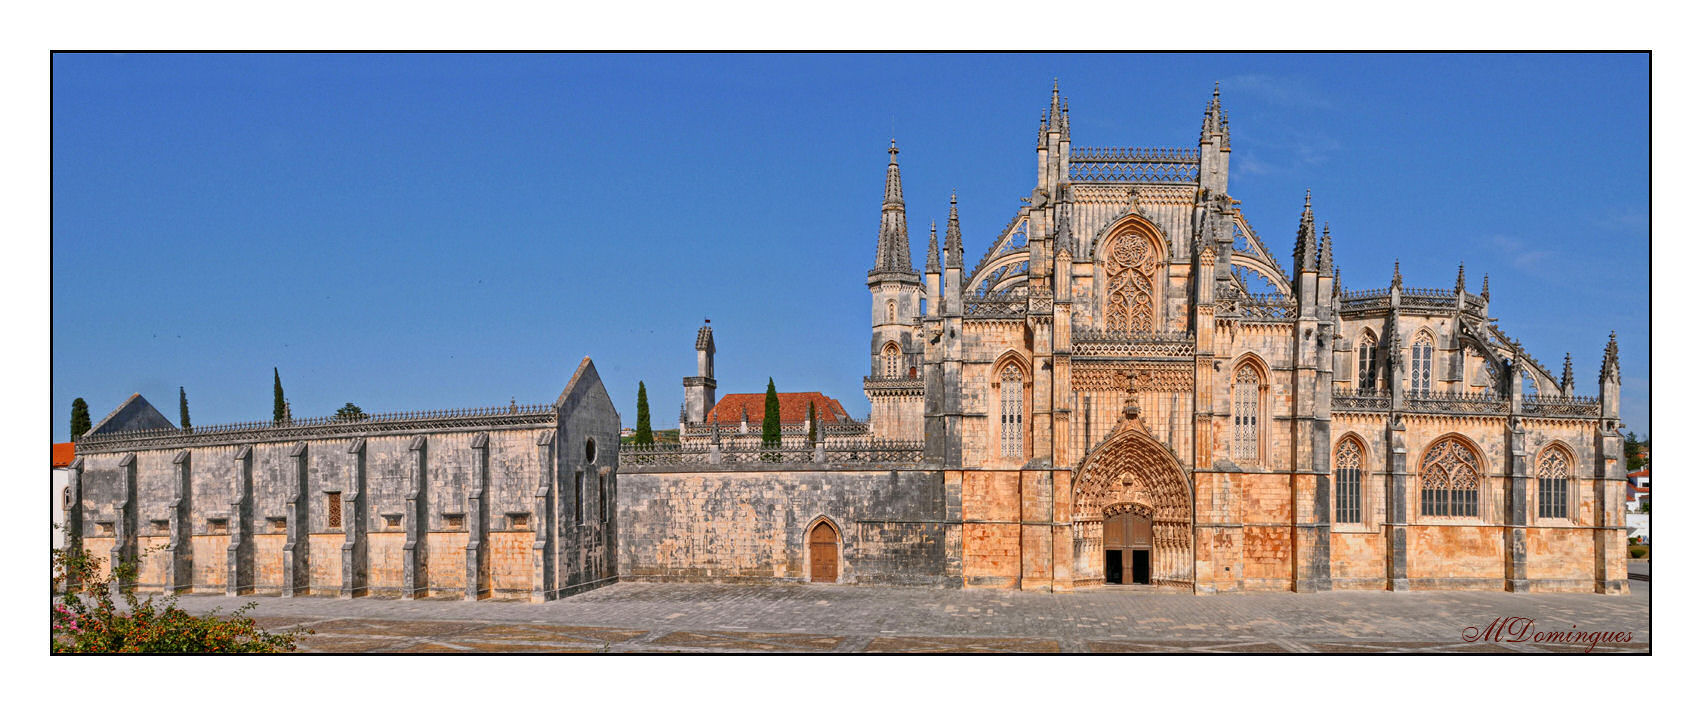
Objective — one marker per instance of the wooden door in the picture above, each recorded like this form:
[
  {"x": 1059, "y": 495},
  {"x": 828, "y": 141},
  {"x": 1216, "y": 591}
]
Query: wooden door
[{"x": 824, "y": 554}]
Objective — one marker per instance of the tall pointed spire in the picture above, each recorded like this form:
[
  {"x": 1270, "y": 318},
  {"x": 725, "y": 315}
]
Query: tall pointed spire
[
  {"x": 933, "y": 265},
  {"x": 1486, "y": 286},
  {"x": 1306, "y": 240},
  {"x": 1566, "y": 382},
  {"x": 1336, "y": 284},
  {"x": 1610, "y": 359},
  {"x": 1063, "y": 234},
  {"x": 1055, "y": 118},
  {"x": 1326, "y": 259},
  {"x": 954, "y": 237},
  {"x": 1395, "y": 281},
  {"x": 892, "y": 250},
  {"x": 1460, "y": 279}
]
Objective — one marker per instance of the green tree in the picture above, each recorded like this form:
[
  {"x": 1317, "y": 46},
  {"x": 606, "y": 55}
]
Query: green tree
[
  {"x": 350, "y": 412},
  {"x": 813, "y": 423},
  {"x": 771, "y": 417},
  {"x": 1636, "y": 451},
  {"x": 643, "y": 436},
  {"x": 182, "y": 408},
  {"x": 79, "y": 418},
  {"x": 279, "y": 412}
]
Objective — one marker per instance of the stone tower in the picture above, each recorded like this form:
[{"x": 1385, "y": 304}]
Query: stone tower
[
  {"x": 894, "y": 383},
  {"x": 700, "y": 388}
]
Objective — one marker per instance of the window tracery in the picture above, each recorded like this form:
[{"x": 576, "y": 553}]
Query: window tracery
[
  {"x": 891, "y": 312},
  {"x": 1423, "y": 350},
  {"x": 1010, "y": 412},
  {"x": 1246, "y": 414},
  {"x": 1367, "y": 361},
  {"x": 1553, "y": 470},
  {"x": 1450, "y": 481},
  {"x": 890, "y": 360},
  {"x": 1130, "y": 263},
  {"x": 1349, "y": 466}
]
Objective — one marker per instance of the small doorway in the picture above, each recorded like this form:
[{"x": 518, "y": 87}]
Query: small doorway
[
  {"x": 1128, "y": 545},
  {"x": 824, "y": 554}
]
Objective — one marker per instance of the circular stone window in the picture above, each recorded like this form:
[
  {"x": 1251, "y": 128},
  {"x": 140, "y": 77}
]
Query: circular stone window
[{"x": 590, "y": 450}]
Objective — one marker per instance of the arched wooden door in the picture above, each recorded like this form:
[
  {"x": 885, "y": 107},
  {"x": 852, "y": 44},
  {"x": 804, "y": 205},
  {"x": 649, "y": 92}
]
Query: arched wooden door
[
  {"x": 1128, "y": 544},
  {"x": 824, "y": 554}
]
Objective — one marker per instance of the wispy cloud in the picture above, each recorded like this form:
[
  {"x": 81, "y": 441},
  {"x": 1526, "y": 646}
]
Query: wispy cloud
[
  {"x": 1630, "y": 219},
  {"x": 1524, "y": 257},
  {"x": 1284, "y": 91}
]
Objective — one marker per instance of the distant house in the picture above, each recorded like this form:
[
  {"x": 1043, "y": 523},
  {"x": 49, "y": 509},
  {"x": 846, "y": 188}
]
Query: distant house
[
  {"x": 63, "y": 454},
  {"x": 742, "y": 414}
]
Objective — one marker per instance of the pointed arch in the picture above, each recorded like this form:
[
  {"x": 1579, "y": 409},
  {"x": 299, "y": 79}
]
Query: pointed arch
[
  {"x": 823, "y": 544},
  {"x": 1009, "y": 379},
  {"x": 1133, "y": 471},
  {"x": 1249, "y": 388},
  {"x": 1365, "y": 371},
  {"x": 1450, "y": 475},
  {"x": 1422, "y": 361},
  {"x": 891, "y": 358},
  {"x": 1556, "y": 464},
  {"x": 1130, "y": 275},
  {"x": 1348, "y": 461}
]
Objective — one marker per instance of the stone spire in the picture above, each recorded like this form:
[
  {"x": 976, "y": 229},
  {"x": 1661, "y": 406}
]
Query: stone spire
[
  {"x": 1306, "y": 240},
  {"x": 1486, "y": 286},
  {"x": 892, "y": 252},
  {"x": 1055, "y": 117},
  {"x": 1566, "y": 381},
  {"x": 1337, "y": 286},
  {"x": 954, "y": 237},
  {"x": 1066, "y": 124},
  {"x": 1460, "y": 279},
  {"x": 1395, "y": 281},
  {"x": 1610, "y": 359},
  {"x": 1216, "y": 121},
  {"x": 933, "y": 266},
  {"x": 1326, "y": 259},
  {"x": 1063, "y": 234},
  {"x": 1040, "y": 139}
]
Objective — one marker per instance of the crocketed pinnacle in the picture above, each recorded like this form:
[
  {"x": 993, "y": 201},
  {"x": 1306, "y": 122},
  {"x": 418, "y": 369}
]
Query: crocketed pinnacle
[
  {"x": 706, "y": 338},
  {"x": 1306, "y": 240},
  {"x": 1055, "y": 118},
  {"x": 1460, "y": 279},
  {"x": 1566, "y": 382},
  {"x": 1610, "y": 359},
  {"x": 1336, "y": 284},
  {"x": 1326, "y": 259},
  {"x": 1395, "y": 281},
  {"x": 954, "y": 237},
  {"x": 1063, "y": 235},
  {"x": 1216, "y": 120},
  {"x": 1486, "y": 286},
  {"x": 892, "y": 251},
  {"x": 933, "y": 265},
  {"x": 1066, "y": 125}
]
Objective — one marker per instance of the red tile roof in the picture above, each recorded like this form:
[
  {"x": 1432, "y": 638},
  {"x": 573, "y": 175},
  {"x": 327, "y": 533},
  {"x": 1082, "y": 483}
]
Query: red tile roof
[
  {"x": 794, "y": 407},
  {"x": 64, "y": 453}
]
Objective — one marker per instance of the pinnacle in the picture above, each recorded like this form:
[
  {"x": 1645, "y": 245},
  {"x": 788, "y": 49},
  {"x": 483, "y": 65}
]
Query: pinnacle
[
  {"x": 1460, "y": 279},
  {"x": 1396, "y": 280}
]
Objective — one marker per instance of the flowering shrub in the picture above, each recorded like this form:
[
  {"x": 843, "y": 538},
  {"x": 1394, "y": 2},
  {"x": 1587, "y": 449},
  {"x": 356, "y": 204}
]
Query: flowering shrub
[{"x": 86, "y": 617}]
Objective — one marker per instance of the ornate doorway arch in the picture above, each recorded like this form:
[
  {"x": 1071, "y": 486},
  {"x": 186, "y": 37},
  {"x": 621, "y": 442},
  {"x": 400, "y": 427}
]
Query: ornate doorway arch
[{"x": 1133, "y": 472}]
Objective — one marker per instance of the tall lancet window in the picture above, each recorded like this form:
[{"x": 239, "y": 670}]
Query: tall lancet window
[
  {"x": 1552, "y": 471},
  {"x": 890, "y": 360},
  {"x": 1367, "y": 361},
  {"x": 1349, "y": 466},
  {"x": 1010, "y": 412},
  {"x": 1246, "y": 414},
  {"x": 891, "y": 312},
  {"x": 1423, "y": 350}
]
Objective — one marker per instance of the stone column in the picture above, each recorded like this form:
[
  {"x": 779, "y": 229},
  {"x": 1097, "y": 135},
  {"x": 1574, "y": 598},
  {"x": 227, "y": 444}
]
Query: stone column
[
  {"x": 413, "y": 521},
  {"x": 1396, "y": 504},
  {"x": 355, "y": 520},
  {"x": 180, "y": 547},
  {"x": 73, "y": 518},
  {"x": 546, "y": 535},
  {"x": 478, "y": 518},
  {"x": 295, "y": 531},
  {"x": 239, "y": 555},
  {"x": 1517, "y": 509}
]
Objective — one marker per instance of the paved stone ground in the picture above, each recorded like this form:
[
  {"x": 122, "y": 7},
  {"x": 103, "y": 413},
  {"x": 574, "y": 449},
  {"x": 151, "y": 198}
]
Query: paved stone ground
[{"x": 651, "y": 617}]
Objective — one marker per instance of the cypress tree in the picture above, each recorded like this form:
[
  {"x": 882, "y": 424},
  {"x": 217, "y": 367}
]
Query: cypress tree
[
  {"x": 279, "y": 411},
  {"x": 79, "y": 418},
  {"x": 771, "y": 417},
  {"x": 643, "y": 436},
  {"x": 813, "y": 422},
  {"x": 182, "y": 408}
]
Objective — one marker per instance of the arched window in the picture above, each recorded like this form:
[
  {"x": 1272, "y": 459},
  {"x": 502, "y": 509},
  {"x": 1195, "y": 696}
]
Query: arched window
[
  {"x": 1367, "y": 361},
  {"x": 1010, "y": 412},
  {"x": 1350, "y": 461},
  {"x": 1450, "y": 481},
  {"x": 891, "y": 311},
  {"x": 1246, "y": 414},
  {"x": 889, "y": 360},
  {"x": 1131, "y": 263},
  {"x": 1553, "y": 470},
  {"x": 1423, "y": 350}
]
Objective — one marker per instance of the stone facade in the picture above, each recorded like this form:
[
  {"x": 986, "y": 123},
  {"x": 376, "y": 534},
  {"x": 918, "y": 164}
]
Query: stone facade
[
  {"x": 505, "y": 502},
  {"x": 1128, "y": 347}
]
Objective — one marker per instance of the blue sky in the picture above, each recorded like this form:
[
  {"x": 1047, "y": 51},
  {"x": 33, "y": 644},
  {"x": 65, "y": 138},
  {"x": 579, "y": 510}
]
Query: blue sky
[{"x": 432, "y": 231}]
